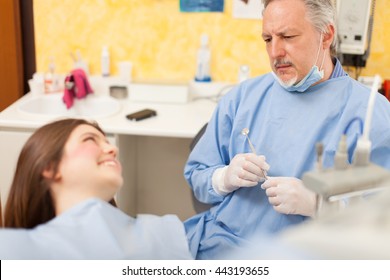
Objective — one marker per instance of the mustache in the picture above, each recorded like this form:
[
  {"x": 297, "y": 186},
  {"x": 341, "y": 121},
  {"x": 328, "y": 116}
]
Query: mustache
[{"x": 281, "y": 62}]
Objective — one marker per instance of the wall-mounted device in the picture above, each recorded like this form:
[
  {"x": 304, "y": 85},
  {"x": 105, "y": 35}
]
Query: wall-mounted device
[
  {"x": 353, "y": 19},
  {"x": 354, "y": 24}
]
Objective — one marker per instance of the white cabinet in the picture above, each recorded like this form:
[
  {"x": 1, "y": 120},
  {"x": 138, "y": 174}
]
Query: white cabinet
[
  {"x": 153, "y": 170},
  {"x": 11, "y": 143}
]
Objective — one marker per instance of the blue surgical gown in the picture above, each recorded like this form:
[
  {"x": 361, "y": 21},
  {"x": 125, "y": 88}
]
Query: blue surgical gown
[
  {"x": 285, "y": 127},
  {"x": 94, "y": 229}
]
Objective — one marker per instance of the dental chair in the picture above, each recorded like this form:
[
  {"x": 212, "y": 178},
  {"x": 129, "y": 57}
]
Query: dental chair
[{"x": 197, "y": 205}]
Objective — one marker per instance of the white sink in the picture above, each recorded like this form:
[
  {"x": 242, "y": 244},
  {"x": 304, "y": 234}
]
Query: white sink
[{"x": 52, "y": 105}]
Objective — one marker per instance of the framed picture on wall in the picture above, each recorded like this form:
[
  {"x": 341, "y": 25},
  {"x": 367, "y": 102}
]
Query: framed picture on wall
[{"x": 191, "y": 6}]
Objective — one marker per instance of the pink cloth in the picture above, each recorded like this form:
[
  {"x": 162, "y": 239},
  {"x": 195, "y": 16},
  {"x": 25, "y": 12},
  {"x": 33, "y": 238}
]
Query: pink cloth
[{"x": 80, "y": 88}]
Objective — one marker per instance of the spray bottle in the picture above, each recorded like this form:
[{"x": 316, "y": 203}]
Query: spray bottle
[{"x": 203, "y": 60}]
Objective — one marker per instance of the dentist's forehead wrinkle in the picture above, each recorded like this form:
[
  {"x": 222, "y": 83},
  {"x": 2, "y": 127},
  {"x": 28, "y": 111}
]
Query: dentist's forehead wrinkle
[
  {"x": 280, "y": 19},
  {"x": 281, "y": 33}
]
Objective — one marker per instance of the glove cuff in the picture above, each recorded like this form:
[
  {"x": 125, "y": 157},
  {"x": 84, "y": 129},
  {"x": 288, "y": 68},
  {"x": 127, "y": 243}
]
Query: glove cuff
[{"x": 217, "y": 181}]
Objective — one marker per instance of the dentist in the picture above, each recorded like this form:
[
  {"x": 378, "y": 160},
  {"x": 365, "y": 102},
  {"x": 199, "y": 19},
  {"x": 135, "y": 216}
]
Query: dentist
[{"x": 307, "y": 98}]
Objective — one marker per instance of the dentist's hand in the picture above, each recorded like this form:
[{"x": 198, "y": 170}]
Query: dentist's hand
[
  {"x": 244, "y": 170},
  {"x": 288, "y": 195}
]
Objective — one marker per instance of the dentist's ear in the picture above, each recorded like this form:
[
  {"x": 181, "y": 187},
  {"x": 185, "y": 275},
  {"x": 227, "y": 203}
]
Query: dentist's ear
[{"x": 328, "y": 37}]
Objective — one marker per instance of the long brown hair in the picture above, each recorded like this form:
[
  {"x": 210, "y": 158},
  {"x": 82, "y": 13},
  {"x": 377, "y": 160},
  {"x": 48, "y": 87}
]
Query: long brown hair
[
  {"x": 29, "y": 202},
  {"x": 1, "y": 214}
]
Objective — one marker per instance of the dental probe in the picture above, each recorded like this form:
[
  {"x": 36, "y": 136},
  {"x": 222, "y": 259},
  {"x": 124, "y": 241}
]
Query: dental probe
[{"x": 245, "y": 132}]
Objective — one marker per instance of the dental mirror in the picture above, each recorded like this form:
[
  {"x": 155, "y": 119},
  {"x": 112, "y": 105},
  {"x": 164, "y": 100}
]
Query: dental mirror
[{"x": 245, "y": 132}]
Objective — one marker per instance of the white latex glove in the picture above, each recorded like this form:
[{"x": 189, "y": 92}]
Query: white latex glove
[
  {"x": 288, "y": 195},
  {"x": 244, "y": 170}
]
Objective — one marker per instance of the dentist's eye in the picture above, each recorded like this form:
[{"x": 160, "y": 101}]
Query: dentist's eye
[
  {"x": 289, "y": 37},
  {"x": 267, "y": 40}
]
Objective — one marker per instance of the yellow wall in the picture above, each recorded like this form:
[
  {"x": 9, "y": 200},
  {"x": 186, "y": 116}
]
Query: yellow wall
[{"x": 162, "y": 42}]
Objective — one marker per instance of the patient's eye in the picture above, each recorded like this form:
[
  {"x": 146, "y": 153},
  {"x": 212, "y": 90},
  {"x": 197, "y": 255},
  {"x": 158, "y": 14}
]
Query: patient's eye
[
  {"x": 90, "y": 138},
  {"x": 93, "y": 137}
]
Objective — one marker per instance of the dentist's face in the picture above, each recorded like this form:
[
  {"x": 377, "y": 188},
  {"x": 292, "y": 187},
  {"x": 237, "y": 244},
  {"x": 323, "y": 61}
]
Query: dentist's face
[
  {"x": 292, "y": 42},
  {"x": 89, "y": 166}
]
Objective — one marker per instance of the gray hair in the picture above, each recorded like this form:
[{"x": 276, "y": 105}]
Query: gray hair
[{"x": 320, "y": 13}]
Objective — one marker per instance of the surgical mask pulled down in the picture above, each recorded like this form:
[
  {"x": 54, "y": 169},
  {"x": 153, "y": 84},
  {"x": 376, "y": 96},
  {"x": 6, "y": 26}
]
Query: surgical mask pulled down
[{"x": 311, "y": 78}]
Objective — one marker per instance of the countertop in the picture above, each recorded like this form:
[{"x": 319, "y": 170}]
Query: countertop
[{"x": 173, "y": 120}]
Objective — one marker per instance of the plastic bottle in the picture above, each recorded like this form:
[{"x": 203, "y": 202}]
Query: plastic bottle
[
  {"x": 203, "y": 60},
  {"x": 243, "y": 73},
  {"x": 105, "y": 62},
  {"x": 51, "y": 83}
]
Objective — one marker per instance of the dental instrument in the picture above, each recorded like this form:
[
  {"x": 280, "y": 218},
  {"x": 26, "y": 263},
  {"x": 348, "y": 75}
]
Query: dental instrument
[
  {"x": 245, "y": 132},
  {"x": 347, "y": 181}
]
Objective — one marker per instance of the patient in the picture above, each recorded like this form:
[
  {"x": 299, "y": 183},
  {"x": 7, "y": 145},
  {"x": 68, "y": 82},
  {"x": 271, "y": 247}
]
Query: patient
[{"x": 61, "y": 203}]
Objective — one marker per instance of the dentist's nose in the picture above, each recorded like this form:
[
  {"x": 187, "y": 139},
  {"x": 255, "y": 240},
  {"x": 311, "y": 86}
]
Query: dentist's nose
[{"x": 276, "y": 49}]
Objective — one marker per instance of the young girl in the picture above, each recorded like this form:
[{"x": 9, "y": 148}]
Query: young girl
[{"x": 65, "y": 181}]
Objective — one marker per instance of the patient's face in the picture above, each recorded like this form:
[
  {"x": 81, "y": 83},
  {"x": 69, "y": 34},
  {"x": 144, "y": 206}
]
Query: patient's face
[{"x": 89, "y": 166}]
